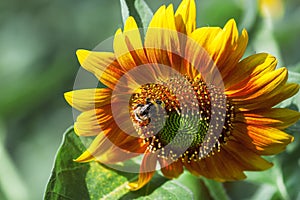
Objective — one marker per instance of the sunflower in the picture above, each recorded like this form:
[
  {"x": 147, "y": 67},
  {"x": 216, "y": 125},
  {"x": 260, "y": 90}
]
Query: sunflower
[{"x": 184, "y": 98}]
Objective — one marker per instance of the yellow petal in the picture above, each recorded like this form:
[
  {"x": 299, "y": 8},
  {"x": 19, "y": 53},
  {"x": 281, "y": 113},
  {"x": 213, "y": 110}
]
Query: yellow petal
[
  {"x": 185, "y": 17},
  {"x": 102, "y": 64},
  {"x": 114, "y": 155},
  {"x": 269, "y": 135},
  {"x": 85, "y": 157},
  {"x": 107, "y": 152},
  {"x": 131, "y": 25},
  {"x": 104, "y": 142},
  {"x": 92, "y": 60},
  {"x": 120, "y": 150},
  {"x": 134, "y": 42},
  {"x": 92, "y": 122},
  {"x": 205, "y": 35},
  {"x": 147, "y": 171},
  {"x": 197, "y": 60},
  {"x": 128, "y": 46},
  {"x": 88, "y": 99},
  {"x": 122, "y": 52},
  {"x": 161, "y": 40},
  {"x": 99, "y": 145},
  {"x": 163, "y": 18},
  {"x": 162, "y": 33},
  {"x": 169, "y": 20}
]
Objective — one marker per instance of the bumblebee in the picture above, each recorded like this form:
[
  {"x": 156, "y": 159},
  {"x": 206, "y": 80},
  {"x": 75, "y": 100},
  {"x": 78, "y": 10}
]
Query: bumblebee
[{"x": 144, "y": 112}]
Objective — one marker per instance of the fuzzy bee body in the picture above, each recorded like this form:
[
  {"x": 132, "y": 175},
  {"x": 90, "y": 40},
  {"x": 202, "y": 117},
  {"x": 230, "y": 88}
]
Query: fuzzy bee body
[{"x": 144, "y": 112}]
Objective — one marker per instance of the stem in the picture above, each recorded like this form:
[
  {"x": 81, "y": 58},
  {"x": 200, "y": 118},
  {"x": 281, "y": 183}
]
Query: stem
[
  {"x": 216, "y": 189},
  {"x": 280, "y": 182},
  {"x": 10, "y": 180}
]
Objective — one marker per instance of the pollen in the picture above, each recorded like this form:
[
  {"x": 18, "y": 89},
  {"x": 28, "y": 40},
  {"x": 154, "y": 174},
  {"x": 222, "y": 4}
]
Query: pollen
[{"x": 179, "y": 118}]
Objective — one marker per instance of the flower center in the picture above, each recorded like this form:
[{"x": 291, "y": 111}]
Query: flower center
[{"x": 178, "y": 118}]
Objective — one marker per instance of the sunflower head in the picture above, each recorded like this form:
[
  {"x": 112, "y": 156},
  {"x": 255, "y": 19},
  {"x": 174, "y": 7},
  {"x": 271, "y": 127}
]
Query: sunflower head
[{"x": 184, "y": 98}]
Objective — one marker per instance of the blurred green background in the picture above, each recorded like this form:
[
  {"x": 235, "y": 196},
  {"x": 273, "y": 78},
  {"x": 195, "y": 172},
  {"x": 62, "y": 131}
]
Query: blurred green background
[{"x": 38, "y": 40}]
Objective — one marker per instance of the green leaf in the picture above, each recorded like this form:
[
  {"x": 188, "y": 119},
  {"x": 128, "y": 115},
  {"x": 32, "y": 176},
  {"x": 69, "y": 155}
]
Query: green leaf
[
  {"x": 137, "y": 9},
  {"x": 156, "y": 190},
  {"x": 71, "y": 180},
  {"x": 68, "y": 178}
]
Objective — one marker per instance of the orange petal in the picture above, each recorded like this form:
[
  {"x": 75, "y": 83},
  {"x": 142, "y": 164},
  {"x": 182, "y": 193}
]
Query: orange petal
[
  {"x": 265, "y": 140},
  {"x": 280, "y": 118},
  {"x": 133, "y": 145},
  {"x": 234, "y": 54},
  {"x": 185, "y": 17},
  {"x": 252, "y": 66},
  {"x": 230, "y": 42},
  {"x": 102, "y": 64},
  {"x": 199, "y": 168},
  {"x": 101, "y": 121},
  {"x": 258, "y": 87},
  {"x": 198, "y": 60},
  {"x": 244, "y": 157},
  {"x": 225, "y": 45},
  {"x": 147, "y": 170},
  {"x": 269, "y": 100},
  {"x": 229, "y": 163},
  {"x": 171, "y": 169},
  {"x": 217, "y": 166},
  {"x": 225, "y": 168},
  {"x": 88, "y": 99}
]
